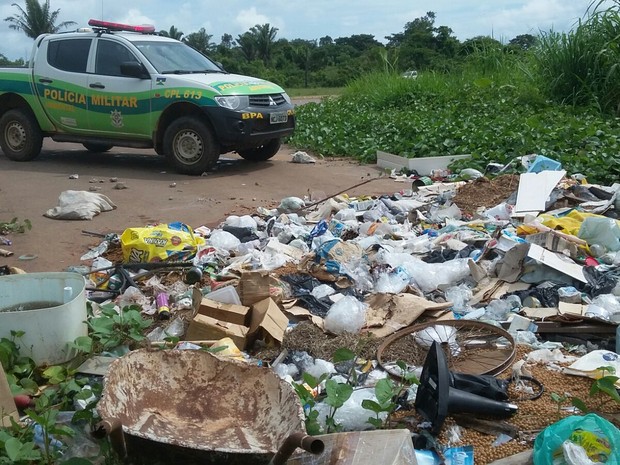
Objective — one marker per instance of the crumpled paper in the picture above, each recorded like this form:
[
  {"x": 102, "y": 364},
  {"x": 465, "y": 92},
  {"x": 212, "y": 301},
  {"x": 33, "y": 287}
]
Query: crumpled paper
[{"x": 79, "y": 205}]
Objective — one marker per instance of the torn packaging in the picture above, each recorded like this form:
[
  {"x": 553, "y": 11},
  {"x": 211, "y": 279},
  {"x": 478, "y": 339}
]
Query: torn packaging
[{"x": 388, "y": 313}]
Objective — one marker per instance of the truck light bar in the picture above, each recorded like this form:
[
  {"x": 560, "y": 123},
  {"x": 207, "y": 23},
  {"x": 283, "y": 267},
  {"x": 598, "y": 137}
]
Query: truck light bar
[{"x": 145, "y": 29}]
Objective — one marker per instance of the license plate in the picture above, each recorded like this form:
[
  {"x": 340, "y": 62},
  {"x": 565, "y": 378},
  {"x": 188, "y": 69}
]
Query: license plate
[{"x": 278, "y": 117}]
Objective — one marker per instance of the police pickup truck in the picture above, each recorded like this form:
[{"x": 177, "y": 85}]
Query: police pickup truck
[{"x": 120, "y": 85}]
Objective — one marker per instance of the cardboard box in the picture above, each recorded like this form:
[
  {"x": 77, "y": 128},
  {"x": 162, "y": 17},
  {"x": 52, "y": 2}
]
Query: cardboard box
[
  {"x": 253, "y": 287},
  {"x": 8, "y": 409},
  {"x": 268, "y": 323},
  {"x": 205, "y": 328},
  {"x": 230, "y": 313}
]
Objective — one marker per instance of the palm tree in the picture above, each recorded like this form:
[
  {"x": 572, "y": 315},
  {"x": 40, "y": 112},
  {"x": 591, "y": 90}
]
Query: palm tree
[
  {"x": 173, "y": 33},
  {"x": 264, "y": 37},
  {"x": 37, "y": 19},
  {"x": 200, "y": 40}
]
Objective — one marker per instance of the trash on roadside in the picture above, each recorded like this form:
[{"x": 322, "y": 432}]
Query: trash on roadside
[{"x": 79, "y": 205}]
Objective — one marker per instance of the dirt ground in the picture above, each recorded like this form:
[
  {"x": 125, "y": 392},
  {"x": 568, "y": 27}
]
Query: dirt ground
[{"x": 153, "y": 194}]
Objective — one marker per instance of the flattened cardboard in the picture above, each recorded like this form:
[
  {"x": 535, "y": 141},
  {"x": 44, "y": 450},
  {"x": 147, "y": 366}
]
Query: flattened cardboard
[
  {"x": 230, "y": 313},
  {"x": 557, "y": 262},
  {"x": 393, "y": 312},
  {"x": 8, "y": 409},
  {"x": 535, "y": 189},
  {"x": 203, "y": 327},
  {"x": 268, "y": 322},
  {"x": 253, "y": 286}
]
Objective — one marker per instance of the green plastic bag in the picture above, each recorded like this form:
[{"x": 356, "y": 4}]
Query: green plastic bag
[{"x": 597, "y": 436}]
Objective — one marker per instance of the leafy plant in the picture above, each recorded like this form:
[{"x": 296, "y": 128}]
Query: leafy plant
[
  {"x": 387, "y": 392},
  {"x": 604, "y": 388},
  {"x": 112, "y": 329},
  {"x": 559, "y": 401},
  {"x": 15, "y": 226}
]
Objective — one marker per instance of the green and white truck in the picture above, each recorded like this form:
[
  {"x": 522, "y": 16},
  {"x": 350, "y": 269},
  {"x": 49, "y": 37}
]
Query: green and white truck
[{"x": 119, "y": 85}]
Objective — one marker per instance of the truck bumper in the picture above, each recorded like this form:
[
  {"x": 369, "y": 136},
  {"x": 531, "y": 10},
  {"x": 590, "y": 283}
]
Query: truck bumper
[{"x": 252, "y": 126}]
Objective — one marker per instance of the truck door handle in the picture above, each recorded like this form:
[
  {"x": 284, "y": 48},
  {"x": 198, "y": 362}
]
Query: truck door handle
[
  {"x": 45, "y": 81},
  {"x": 96, "y": 85}
]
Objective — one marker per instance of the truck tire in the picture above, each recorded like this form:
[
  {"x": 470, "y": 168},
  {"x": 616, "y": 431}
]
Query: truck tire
[
  {"x": 20, "y": 136},
  {"x": 96, "y": 148},
  {"x": 262, "y": 152},
  {"x": 189, "y": 145}
]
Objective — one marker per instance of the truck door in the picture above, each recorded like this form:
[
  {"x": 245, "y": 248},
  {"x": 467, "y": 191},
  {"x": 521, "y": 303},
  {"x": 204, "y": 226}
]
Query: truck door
[
  {"x": 61, "y": 81},
  {"x": 119, "y": 105}
]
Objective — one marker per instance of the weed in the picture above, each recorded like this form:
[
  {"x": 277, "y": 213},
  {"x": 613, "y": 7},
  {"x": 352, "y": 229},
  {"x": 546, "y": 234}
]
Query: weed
[{"x": 15, "y": 226}]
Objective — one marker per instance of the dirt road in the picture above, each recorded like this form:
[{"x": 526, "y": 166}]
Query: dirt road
[{"x": 153, "y": 194}]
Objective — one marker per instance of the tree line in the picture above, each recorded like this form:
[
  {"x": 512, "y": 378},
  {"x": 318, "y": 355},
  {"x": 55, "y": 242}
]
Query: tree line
[{"x": 324, "y": 62}]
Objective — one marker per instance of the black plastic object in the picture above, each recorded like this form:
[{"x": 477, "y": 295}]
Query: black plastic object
[{"x": 437, "y": 398}]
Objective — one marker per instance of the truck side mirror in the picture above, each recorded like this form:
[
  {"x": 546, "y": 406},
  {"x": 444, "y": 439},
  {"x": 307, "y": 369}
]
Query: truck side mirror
[{"x": 134, "y": 69}]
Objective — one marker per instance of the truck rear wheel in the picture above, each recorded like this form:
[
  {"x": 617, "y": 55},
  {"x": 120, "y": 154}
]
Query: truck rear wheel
[
  {"x": 190, "y": 146},
  {"x": 20, "y": 136},
  {"x": 97, "y": 148},
  {"x": 262, "y": 152}
]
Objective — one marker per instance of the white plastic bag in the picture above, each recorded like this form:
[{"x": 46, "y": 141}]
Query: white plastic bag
[
  {"x": 79, "y": 205},
  {"x": 223, "y": 240},
  {"x": 348, "y": 315}
]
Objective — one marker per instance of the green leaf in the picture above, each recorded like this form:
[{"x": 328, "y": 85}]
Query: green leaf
[
  {"x": 343, "y": 355},
  {"x": 376, "y": 422},
  {"x": 384, "y": 390},
  {"x": 310, "y": 380},
  {"x": 371, "y": 405},
  {"x": 337, "y": 393},
  {"x": 13, "y": 448},
  {"x": 607, "y": 385},
  {"x": 557, "y": 398},
  {"x": 580, "y": 404}
]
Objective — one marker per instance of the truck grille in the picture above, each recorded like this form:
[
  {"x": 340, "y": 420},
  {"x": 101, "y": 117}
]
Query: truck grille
[{"x": 272, "y": 100}]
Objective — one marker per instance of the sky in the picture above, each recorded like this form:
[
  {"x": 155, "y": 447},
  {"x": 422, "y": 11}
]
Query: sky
[{"x": 310, "y": 19}]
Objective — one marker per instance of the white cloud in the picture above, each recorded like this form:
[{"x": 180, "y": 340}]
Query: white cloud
[{"x": 249, "y": 18}]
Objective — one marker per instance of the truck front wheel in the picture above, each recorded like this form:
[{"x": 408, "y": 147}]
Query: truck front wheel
[
  {"x": 20, "y": 136},
  {"x": 189, "y": 145},
  {"x": 262, "y": 152}
]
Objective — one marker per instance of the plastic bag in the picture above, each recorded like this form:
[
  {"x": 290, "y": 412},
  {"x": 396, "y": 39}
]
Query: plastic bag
[
  {"x": 223, "y": 240},
  {"x": 348, "y": 315},
  {"x": 602, "y": 231},
  {"x": 80, "y": 205},
  {"x": 172, "y": 242},
  {"x": 599, "y": 437}
]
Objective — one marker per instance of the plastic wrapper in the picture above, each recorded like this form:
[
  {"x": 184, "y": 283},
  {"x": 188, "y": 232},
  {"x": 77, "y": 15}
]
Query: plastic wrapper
[
  {"x": 291, "y": 204},
  {"x": 500, "y": 212},
  {"x": 319, "y": 367},
  {"x": 459, "y": 296},
  {"x": 574, "y": 454},
  {"x": 394, "y": 282},
  {"x": 432, "y": 276},
  {"x": 498, "y": 310},
  {"x": 245, "y": 221},
  {"x": 322, "y": 290},
  {"x": 601, "y": 438},
  {"x": 348, "y": 315},
  {"x": 602, "y": 231},
  {"x": 223, "y": 240},
  {"x": 172, "y": 242},
  {"x": 351, "y": 416},
  {"x": 569, "y": 294}
]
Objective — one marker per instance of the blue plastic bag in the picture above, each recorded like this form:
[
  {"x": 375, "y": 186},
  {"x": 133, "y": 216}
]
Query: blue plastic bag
[{"x": 597, "y": 436}]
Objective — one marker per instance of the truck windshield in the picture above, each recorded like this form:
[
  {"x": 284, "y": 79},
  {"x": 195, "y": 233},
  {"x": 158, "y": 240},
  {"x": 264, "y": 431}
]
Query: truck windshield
[{"x": 176, "y": 57}]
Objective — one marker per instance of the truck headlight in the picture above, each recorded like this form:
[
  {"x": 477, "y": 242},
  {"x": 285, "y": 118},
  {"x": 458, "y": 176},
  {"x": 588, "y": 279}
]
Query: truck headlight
[
  {"x": 287, "y": 98},
  {"x": 232, "y": 102}
]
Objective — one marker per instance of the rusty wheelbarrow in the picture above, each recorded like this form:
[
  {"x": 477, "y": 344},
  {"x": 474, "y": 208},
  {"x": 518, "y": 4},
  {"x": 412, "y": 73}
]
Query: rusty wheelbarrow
[{"x": 185, "y": 406}]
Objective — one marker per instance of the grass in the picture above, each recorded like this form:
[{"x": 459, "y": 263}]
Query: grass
[{"x": 313, "y": 92}]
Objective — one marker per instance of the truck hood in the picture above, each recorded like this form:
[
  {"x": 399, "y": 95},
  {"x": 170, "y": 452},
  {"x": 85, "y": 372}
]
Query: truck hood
[{"x": 228, "y": 84}]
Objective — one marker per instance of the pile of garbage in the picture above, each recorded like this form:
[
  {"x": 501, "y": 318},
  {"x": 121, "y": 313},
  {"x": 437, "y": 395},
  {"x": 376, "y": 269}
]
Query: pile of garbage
[{"x": 512, "y": 279}]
